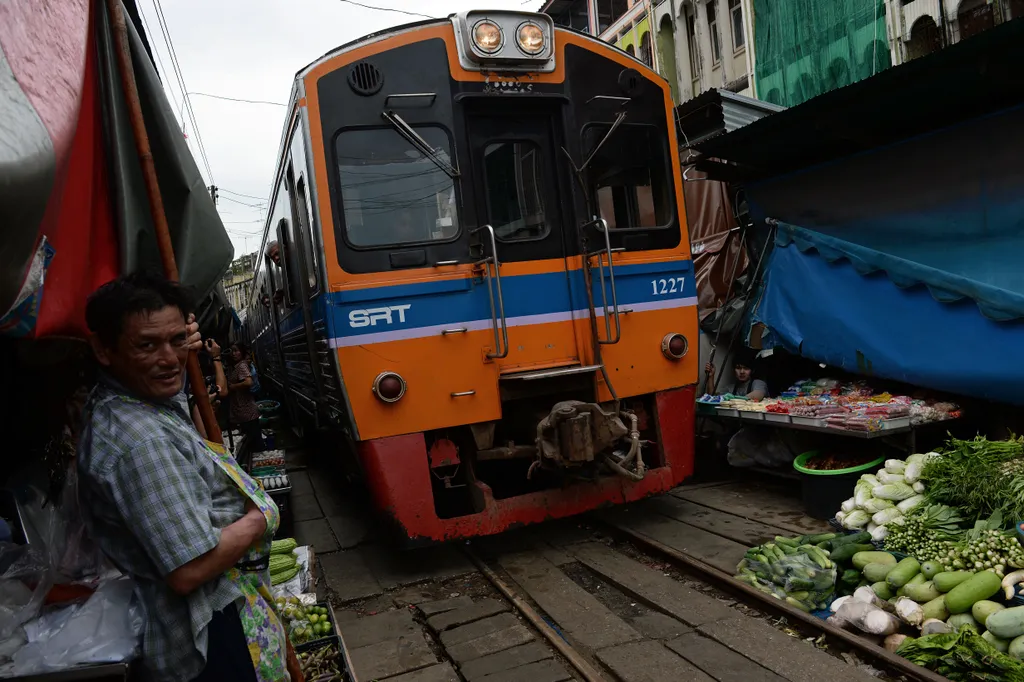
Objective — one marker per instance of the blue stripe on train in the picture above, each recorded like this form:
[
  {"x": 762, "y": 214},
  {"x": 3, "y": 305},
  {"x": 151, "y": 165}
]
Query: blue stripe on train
[{"x": 450, "y": 302}]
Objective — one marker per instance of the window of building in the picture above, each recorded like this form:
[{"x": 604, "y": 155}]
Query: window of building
[
  {"x": 390, "y": 192},
  {"x": 608, "y": 12},
  {"x": 739, "y": 40},
  {"x": 716, "y": 45},
  {"x": 515, "y": 204},
  {"x": 646, "y": 52},
  {"x": 691, "y": 44},
  {"x": 630, "y": 176}
]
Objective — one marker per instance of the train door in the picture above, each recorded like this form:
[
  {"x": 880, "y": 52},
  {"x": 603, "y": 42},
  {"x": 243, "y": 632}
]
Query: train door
[{"x": 519, "y": 195}]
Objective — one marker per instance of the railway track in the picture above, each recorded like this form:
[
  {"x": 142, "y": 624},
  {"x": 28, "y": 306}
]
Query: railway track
[{"x": 601, "y": 602}]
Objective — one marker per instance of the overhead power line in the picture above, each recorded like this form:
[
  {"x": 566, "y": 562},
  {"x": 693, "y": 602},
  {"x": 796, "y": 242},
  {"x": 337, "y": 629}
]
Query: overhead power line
[
  {"x": 243, "y": 203},
  {"x": 239, "y": 194},
  {"x": 236, "y": 99},
  {"x": 387, "y": 9},
  {"x": 176, "y": 66}
]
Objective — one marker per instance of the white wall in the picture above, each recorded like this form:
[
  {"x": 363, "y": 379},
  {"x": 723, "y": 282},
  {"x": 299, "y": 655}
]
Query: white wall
[{"x": 733, "y": 65}]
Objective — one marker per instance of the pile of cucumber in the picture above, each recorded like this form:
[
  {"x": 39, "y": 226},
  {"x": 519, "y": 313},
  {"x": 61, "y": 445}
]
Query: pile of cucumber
[
  {"x": 948, "y": 600},
  {"x": 798, "y": 570}
]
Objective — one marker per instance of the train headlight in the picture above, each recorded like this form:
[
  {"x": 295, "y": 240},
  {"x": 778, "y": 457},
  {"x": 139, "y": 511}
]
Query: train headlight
[
  {"x": 674, "y": 346},
  {"x": 389, "y": 387},
  {"x": 505, "y": 41},
  {"x": 487, "y": 36},
  {"x": 530, "y": 38}
]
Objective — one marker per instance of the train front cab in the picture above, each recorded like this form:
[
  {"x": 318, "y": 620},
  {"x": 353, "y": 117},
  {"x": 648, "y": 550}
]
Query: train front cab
[{"x": 470, "y": 287}]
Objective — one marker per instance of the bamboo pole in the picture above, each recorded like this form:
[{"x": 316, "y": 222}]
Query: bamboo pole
[{"x": 156, "y": 202}]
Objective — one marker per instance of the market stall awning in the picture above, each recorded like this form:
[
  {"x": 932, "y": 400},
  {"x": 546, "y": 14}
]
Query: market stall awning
[
  {"x": 73, "y": 207},
  {"x": 904, "y": 262},
  {"x": 958, "y": 83}
]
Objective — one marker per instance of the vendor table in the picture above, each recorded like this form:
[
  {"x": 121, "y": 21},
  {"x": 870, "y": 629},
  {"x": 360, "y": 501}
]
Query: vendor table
[
  {"x": 93, "y": 673},
  {"x": 910, "y": 432}
]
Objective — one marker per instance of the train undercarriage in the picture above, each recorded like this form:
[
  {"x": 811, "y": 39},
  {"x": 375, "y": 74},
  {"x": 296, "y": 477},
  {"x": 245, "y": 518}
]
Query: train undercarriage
[{"x": 547, "y": 458}]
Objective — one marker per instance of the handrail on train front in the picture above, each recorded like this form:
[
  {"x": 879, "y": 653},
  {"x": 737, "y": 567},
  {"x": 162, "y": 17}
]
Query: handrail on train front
[
  {"x": 500, "y": 340},
  {"x": 611, "y": 339}
]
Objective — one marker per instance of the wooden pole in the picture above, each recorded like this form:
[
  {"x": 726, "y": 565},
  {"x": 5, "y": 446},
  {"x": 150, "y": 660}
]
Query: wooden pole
[{"x": 156, "y": 202}]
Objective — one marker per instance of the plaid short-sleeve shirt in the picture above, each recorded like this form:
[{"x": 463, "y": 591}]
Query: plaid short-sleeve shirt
[{"x": 153, "y": 500}]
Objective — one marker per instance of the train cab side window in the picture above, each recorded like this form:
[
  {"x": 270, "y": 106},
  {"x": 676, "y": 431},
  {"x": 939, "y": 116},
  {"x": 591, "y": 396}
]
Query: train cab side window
[
  {"x": 305, "y": 225},
  {"x": 514, "y": 199},
  {"x": 289, "y": 262},
  {"x": 630, "y": 177},
  {"x": 393, "y": 195}
]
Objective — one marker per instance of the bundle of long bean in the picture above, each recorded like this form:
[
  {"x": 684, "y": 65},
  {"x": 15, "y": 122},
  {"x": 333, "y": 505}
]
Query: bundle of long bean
[{"x": 974, "y": 476}]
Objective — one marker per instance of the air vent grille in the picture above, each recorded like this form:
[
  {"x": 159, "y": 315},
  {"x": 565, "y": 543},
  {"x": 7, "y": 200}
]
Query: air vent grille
[{"x": 365, "y": 79}]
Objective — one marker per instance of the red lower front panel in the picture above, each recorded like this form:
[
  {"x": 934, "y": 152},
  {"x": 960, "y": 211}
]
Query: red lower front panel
[{"x": 399, "y": 478}]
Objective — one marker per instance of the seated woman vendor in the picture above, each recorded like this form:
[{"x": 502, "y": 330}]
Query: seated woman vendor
[{"x": 744, "y": 384}]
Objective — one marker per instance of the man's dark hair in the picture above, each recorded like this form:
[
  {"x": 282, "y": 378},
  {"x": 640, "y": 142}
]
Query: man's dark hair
[{"x": 140, "y": 292}]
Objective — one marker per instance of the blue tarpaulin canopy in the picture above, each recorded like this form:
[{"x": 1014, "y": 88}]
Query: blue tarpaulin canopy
[{"x": 905, "y": 262}]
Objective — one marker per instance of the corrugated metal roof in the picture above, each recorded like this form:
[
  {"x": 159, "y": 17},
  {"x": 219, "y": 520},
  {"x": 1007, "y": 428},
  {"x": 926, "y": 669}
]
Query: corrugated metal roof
[{"x": 716, "y": 112}]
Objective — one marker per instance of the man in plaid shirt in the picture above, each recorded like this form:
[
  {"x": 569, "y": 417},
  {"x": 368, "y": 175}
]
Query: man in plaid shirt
[{"x": 154, "y": 501}]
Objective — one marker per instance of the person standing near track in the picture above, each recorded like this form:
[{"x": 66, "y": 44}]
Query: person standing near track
[{"x": 235, "y": 385}]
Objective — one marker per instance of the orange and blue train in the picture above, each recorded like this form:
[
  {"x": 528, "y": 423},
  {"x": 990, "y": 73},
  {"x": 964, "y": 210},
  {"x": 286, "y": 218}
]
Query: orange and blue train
[{"x": 475, "y": 273}]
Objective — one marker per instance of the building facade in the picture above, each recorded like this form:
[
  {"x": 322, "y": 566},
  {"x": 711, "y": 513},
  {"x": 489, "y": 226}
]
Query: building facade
[
  {"x": 780, "y": 51},
  {"x": 920, "y": 27},
  {"x": 695, "y": 44}
]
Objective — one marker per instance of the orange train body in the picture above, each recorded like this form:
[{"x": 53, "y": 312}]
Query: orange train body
[{"x": 355, "y": 306}]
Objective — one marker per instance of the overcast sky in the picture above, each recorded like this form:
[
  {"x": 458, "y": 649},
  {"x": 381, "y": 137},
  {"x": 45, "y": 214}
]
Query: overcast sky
[{"x": 251, "y": 50}]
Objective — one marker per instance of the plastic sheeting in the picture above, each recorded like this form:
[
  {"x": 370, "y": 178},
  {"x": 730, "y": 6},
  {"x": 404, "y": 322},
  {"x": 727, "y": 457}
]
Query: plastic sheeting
[
  {"x": 718, "y": 254},
  {"x": 74, "y": 174},
  {"x": 831, "y": 313},
  {"x": 903, "y": 263},
  {"x": 807, "y": 47}
]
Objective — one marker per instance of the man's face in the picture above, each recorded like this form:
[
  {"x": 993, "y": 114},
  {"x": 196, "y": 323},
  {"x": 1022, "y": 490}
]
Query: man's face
[
  {"x": 742, "y": 373},
  {"x": 275, "y": 254},
  {"x": 150, "y": 355}
]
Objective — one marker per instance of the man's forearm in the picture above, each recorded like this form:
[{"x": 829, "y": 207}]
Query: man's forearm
[{"x": 235, "y": 541}]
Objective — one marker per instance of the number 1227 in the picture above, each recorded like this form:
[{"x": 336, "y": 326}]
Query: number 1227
[{"x": 672, "y": 285}]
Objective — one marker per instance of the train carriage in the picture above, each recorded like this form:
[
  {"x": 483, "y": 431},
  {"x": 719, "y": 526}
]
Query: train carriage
[{"x": 477, "y": 273}]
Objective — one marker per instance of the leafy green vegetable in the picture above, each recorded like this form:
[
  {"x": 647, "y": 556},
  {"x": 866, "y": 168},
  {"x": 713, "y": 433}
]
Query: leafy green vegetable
[
  {"x": 979, "y": 476},
  {"x": 963, "y": 656}
]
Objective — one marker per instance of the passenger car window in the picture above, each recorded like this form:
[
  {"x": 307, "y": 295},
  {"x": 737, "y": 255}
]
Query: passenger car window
[
  {"x": 390, "y": 192},
  {"x": 630, "y": 176},
  {"x": 514, "y": 199}
]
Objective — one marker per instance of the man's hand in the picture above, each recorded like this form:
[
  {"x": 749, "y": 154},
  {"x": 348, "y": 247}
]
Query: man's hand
[
  {"x": 195, "y": 339},
  {"x": 709, "y": 368},
  {"x": 212, "y": 348}
]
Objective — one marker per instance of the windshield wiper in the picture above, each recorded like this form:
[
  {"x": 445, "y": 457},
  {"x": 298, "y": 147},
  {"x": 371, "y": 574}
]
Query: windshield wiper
[
  {"x": 619, "y": 118},
  {"x": 414, "y": 138}
]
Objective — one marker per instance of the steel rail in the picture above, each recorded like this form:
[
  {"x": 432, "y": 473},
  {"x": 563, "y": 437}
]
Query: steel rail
[{"x": 726, "y": 582}]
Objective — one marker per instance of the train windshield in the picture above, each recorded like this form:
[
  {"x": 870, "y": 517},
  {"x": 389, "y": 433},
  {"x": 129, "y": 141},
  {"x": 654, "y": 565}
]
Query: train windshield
[
  {"x": 514, "y": 198},
  {"x": 630, "y": 176},
  {"x": 392, "y": 193}
]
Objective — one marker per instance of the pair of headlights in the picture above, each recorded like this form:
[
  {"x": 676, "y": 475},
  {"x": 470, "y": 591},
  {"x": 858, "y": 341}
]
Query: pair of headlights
[{"x": 489, "y": 38}]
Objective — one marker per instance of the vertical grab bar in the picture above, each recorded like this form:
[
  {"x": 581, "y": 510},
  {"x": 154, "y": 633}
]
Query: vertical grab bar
[
  {"x": 500, "y": 341},
  {"x": 613, "y": 314}
]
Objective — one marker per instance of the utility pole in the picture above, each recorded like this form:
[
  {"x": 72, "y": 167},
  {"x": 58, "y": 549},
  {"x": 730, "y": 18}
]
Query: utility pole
[{"x": 213, "y": 193}]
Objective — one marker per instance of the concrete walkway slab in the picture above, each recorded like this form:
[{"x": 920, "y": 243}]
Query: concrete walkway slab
[
  {"x": 720, "y": 662},
  {"x": 373, "y": 629},
  {"x": 490, "y": 644},
  {"x": 541, "y": 671},
  {"x": 506, "y": 660},
  {"x": 476, "y": 611},
  {"x": 348, "y": 577},
  {"x": 649, "y": 662},
  {"x": 391, "y": 657},
  {"x": 443, "y": 672}
]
